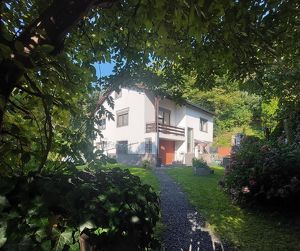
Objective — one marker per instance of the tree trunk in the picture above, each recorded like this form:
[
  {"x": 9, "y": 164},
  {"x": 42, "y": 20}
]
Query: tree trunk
[
  {"x": 50, "y": 28},
  {"x": 9, "y": 76}
]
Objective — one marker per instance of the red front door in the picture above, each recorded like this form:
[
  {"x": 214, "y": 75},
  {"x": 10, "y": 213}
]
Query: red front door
[{"x": 166, "y": 151}]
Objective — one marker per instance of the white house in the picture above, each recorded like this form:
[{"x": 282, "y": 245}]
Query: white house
[{"x": 184, "y": 131}]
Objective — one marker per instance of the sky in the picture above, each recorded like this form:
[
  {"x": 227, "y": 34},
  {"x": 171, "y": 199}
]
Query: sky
[{"x": 104, "y": 69}]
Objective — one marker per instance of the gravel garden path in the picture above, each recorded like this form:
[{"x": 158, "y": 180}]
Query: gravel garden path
[{"x": 184, "y": 226}]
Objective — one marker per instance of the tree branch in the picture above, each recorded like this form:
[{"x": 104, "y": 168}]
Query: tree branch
[
  {"x": 48, "y": 130},
  {"x": 50, "y": 28},
  {"x": 56, "y": 101},
  {"x": 102, "y": 98},
  {"x": 19, "y": 107},
  {"x": 36, "y": 94}
]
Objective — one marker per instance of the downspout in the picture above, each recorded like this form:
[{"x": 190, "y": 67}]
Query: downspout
[{"x": 156, "y": 104}]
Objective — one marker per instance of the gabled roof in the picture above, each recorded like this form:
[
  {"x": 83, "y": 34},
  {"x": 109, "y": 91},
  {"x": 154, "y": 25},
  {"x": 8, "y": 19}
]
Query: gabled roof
[
  {"x": 141, "y": 86},
  {"x": 198, "y": 107}
]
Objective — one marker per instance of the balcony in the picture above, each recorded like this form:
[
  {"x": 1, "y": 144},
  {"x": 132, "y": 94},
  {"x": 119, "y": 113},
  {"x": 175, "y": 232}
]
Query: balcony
[{"x": 166, "y": 129}]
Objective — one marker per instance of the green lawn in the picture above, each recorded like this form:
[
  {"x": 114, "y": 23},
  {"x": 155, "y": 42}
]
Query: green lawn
[
  {"x": 245, "y": 229},
  {"x": 146, "y": 175}
]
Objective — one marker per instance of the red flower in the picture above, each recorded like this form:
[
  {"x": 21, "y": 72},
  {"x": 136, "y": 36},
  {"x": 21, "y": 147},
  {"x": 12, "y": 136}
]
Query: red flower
[
  {"x": 245, "y": 190},
  {"x": 252, "y": 182}
]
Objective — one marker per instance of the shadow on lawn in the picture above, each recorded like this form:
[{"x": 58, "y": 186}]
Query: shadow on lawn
[{"x": 247, "y": 229}]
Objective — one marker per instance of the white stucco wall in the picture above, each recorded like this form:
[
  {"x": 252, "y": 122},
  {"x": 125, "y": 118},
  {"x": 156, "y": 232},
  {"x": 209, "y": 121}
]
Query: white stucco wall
[
  {"x": 193, "y": 121},
  {"x": 142, "y": 111},
  {"x": 149, "y": 108},
  {"x": 136, "y": 102},
  {"x": 149, "y": 115}
]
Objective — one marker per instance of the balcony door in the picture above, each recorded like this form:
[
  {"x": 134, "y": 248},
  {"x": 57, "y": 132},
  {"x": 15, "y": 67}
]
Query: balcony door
[
  {"x": 164, "y": 116},
  {"x": 166, "y": 151}
]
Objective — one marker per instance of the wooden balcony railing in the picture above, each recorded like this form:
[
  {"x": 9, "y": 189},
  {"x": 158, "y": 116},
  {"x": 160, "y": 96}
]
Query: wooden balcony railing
[{"x": 167, "y": 129}]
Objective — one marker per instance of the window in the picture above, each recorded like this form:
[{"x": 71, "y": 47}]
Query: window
[
  {"x": 122, "y": 118},
  {"x": 148, "y": 145},
  {"x": 122, "y": 147},
  {"x": 102, "y": 124},
  {"x": 118, "y": 94},
  {"x": 102, "y": 145},
  {"x": 190, "y": 139},
  {"x": 164, "y": 116},
  {"x": 98, "y": 145},
  {"x": 203, "y": 125}
]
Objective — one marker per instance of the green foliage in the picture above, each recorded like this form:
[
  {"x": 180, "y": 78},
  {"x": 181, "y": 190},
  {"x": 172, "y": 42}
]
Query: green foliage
[
  {"x": 269, "y": 110},
  {"x": 245, "y": 229},
  {"x": 47, "y": 95},
  {"x": 50, "y": 211},
  {"x": 147, "y": 177},
  {"x": 52, "y": 86},
  {"x": 236, "y": 111},
  {"x": 40, "y": 132},
  {"x": 146, "y": 164},
  {"x": 265, "y": 172},
  {"x": 289, "y": 126},
  {"x": 199, "y": 163}
]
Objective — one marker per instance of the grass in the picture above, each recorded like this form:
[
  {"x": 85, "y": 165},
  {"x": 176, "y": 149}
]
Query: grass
[
  {"x": 245, "y": 229},
  {"x": 146, "y": 175}
]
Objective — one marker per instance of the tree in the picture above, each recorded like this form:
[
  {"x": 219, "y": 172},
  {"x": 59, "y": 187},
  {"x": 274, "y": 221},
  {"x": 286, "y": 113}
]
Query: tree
[
  {"x": 48, "y": 83},
  {"x": 48, "y": 49},
  {"x": 235, "y": 110}
]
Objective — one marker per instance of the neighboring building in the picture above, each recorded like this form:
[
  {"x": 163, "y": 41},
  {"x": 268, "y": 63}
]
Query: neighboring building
[{"x": 185, "y": 131}]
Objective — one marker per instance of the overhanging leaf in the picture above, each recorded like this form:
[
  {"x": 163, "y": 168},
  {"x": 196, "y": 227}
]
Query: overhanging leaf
[
  {"x": 3, "y": 237},
  {"x": 65, "y": 238},
  {"x": 3, "y": 202},
  {"x": 46, "y": 48},
  {"x": 19, "y": 46},
  {"x": 46, "y": 245}
]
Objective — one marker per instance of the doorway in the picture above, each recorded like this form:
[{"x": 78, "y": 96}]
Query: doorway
[{"x": 166, "y": 151}]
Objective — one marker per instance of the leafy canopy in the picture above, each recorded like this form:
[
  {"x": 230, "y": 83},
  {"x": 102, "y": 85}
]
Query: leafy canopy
[
  {"x": 48, "y": 84},
  {"x": 47, "y": 56}
]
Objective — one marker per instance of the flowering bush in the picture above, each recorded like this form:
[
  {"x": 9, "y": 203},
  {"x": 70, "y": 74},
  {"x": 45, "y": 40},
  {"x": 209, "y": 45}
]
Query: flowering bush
[{"x": 264, "y": 172}]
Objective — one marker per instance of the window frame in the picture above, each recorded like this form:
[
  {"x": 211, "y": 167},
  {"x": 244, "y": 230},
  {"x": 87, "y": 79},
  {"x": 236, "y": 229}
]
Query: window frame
[
  {"x": 120, "y": 145},
  {"x": 148, "y": 145},
  {"x": 120, "y": 121},
  {"x": 203, "y": 125},
  {"x": 102, "y": 126},
  {"x": 101, "y": 145},
  {"x": 162, "y": 120}
]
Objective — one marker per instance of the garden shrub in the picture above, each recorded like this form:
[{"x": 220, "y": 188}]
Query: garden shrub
[
  {"x": 51, "y": 211},
  {"x": 112, "y": 160},
  {"x": 199, "y": 163},
  {"x": 146, "y": 164},
  {"x": 264, "y": 172}
]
